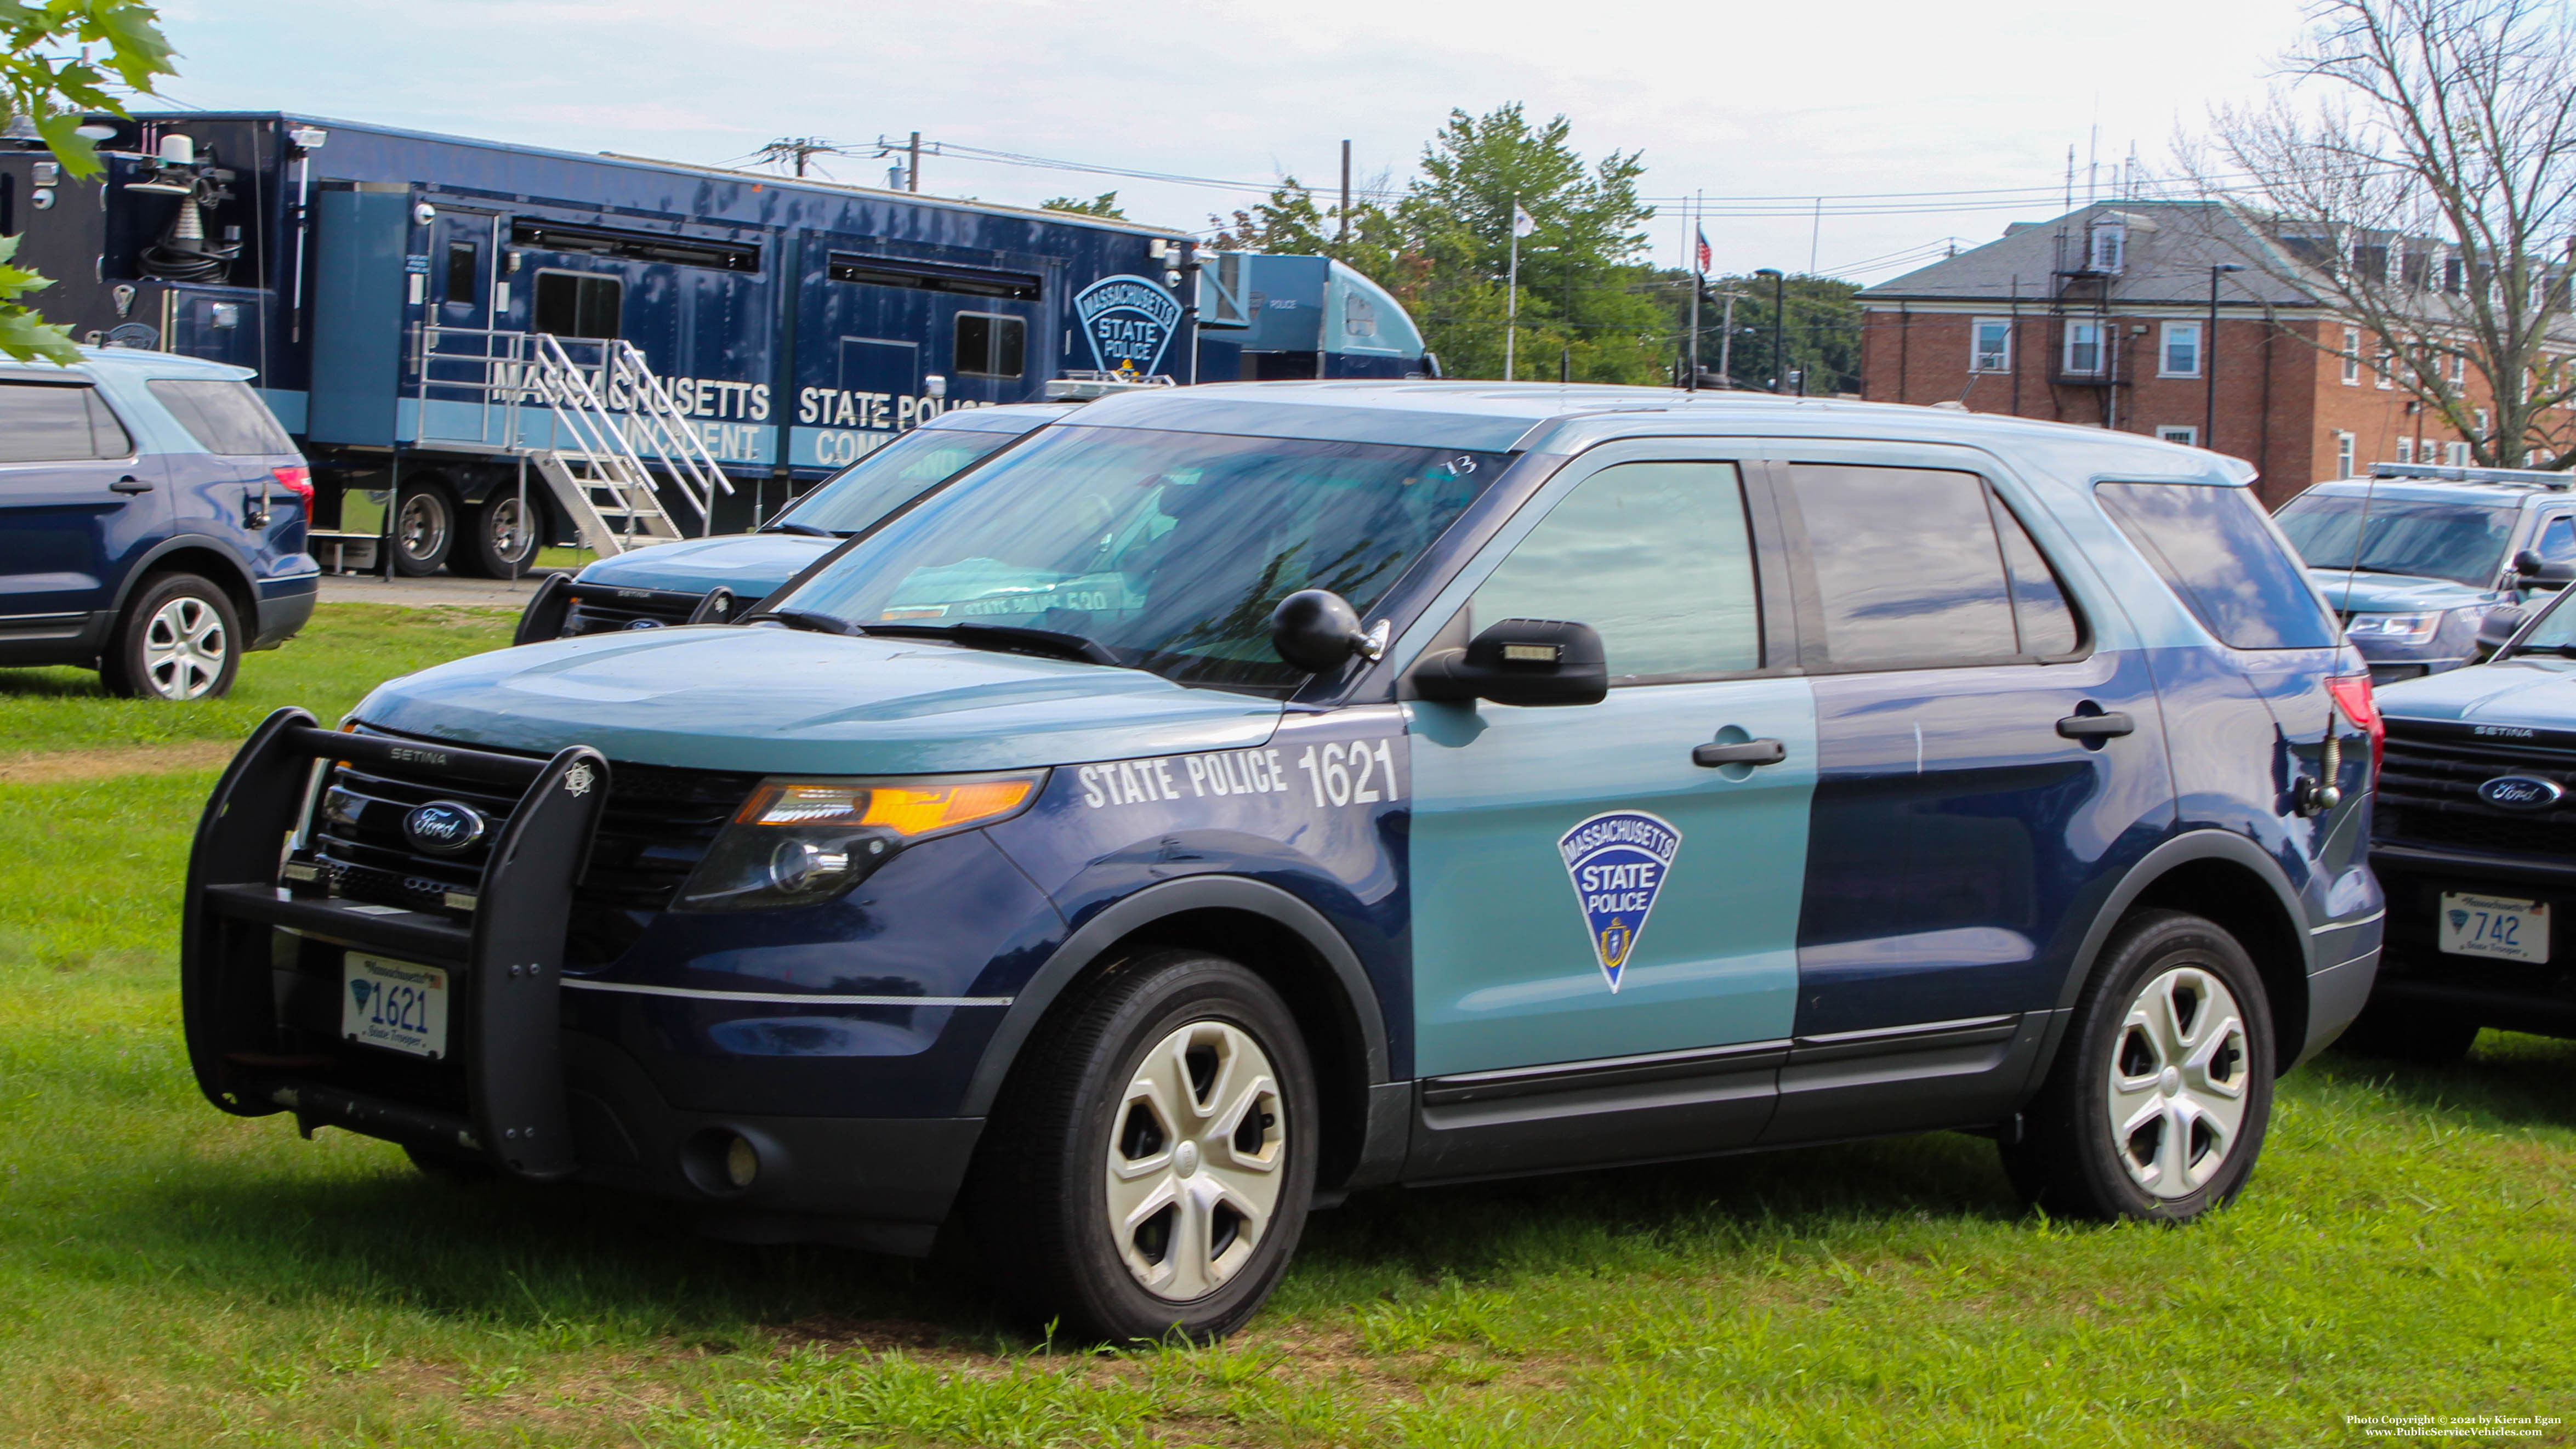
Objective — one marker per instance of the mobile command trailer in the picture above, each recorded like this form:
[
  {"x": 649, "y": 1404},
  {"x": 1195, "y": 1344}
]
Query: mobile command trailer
[{"x": 482, "y": 346}]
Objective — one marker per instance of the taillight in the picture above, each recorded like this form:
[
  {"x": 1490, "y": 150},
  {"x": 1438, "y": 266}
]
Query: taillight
[
  {"x": 297, "y": 480},
  {"x": 2352, "y": 695}
]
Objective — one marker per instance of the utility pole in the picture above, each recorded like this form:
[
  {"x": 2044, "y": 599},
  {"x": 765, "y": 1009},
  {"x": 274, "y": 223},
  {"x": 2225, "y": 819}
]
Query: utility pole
[
  {"x": 912, "y": 167},
  {"x": 1726, "y": 344},
  {"x": 1512, "y": 294},
  {"x": 1346, "y": 190},
  {"x": 1699, "y": 280}
]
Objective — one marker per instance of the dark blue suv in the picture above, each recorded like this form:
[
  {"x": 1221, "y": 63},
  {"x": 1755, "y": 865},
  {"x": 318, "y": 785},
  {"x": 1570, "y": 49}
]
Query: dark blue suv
[
  {"x": 152, "y": 517},
  {"x": 1230, "y": 797}
]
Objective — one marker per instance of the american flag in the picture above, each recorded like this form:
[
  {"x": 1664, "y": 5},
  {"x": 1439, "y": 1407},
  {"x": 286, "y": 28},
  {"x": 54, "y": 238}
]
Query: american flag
[{"x": 1703, "y": 252}]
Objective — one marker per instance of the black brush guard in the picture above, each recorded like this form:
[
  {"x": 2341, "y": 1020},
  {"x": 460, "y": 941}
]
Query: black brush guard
[{"x": 504, "y": 969}]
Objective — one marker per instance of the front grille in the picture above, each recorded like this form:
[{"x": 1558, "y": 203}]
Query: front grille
[
  {"x": 600, "y": 609},
  {"x": 656, "y": 825},
  {"x": 2428, "y": 795}
]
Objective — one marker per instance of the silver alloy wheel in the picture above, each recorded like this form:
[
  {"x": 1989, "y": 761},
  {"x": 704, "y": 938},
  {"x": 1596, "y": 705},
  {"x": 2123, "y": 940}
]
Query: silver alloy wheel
[
  {"x": 420, "y": 529},
  {"x": 1195, "y": 1157},
  {"x": 184, "y": 647},
  {"x": 2178, "y": 1081},
  {"x": 510, "y": 537}
]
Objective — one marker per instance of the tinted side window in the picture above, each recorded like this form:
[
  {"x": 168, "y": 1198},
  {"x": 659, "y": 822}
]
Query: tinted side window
[
  {"x": 40, "y": 424},
  {"x": 1654, "y": 555},
  {"x": 2040, "y": 611},
  {"x": 989, "y": 345},
  {"x": 1908, "y": 571},
  {"x": 225, "y": 417},
  {"x": 576, "y": 304},
  {"x": 464, "y": 273},
  {"x": 107, "y": 435},
  {"x": 2558, "y": 539},
  {"x": 2219, "y": 553}
]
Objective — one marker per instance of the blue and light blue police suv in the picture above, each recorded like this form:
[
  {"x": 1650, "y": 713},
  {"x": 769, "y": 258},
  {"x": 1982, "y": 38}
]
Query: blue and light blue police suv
[
  {"x": 1240, "y": 795},
  {"x": 152, "y": 518},
  {"x": 720, "y": 580},
  {"x": 2440, "y": 548},
  {"x": 2475, "y": 845}
]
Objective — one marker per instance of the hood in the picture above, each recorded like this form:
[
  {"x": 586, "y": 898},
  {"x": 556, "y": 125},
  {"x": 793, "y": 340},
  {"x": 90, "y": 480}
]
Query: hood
[
  {"x": 753, "y": 565},
  {"x": 2534, "y": 692},
  {"x": 735, "y": 697},
  {"x": 2393, "y": 593}
]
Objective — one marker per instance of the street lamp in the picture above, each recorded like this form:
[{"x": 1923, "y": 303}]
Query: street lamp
[
  {"x": 2209, "y": 360},
  {"x": 1779, "y": 358}
]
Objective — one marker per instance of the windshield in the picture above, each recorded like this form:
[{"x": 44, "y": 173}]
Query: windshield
[
  {"x": 890, "y": 477},
  {"x": 2458, "y": 541},
  {"x": 1167, "y": 550}
]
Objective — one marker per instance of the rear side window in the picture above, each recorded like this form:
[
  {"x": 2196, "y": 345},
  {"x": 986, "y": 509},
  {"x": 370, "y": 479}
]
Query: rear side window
[
  {"x": 1917, "y": 567},
  {"x": 2213, "y": 545},
  {"x": 225, "y": 417},
  {"x": 42, "y": 424}
]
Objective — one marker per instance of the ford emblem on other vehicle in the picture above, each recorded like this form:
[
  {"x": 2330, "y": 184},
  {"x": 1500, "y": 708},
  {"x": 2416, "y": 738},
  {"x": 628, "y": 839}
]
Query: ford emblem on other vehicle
[
  {"x": 444, "y": 827},
  {"x": 2521, "y": 792},
  {"x": 645, "y": 624}
]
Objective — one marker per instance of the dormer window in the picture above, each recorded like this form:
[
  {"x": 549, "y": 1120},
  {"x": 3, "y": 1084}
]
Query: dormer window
[{"x": 2109, "y": 247}]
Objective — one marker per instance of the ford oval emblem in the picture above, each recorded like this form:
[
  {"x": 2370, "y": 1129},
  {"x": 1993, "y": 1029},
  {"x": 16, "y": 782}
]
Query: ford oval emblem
[
  {"x": 444, "y": 827},
  {"x": 2521, "y": 792},
  {"x": 645, "y": 624}
]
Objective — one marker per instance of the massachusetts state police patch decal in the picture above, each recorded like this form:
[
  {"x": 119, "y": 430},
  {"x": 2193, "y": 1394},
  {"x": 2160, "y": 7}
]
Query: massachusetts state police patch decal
[{"x": 1618, "y": 861}]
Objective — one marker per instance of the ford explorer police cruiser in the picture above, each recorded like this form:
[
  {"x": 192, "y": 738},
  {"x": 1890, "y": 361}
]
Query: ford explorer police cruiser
[
  {"x": 719, "y": 580},
  {"x": 1244, "y": 795}
]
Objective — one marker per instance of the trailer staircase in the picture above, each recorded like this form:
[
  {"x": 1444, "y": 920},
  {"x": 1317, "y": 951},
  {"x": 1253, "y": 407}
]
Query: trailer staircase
[{"x": 599, "y": 426}]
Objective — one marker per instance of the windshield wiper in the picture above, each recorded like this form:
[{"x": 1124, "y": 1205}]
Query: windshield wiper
[
  {"x": 1008, "y": 638},
  {"x": 783, "y": 526},
  {"x": 807, "y": 620}
]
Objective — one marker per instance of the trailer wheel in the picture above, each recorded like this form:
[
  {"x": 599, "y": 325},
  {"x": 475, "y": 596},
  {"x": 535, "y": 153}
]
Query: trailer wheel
[
  {"x": 424, "y": 528},
  {"x": 500, "y": 538}
]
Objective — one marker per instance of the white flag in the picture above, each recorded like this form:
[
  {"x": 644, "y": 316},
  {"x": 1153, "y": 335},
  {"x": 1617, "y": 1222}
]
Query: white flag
[{"x": 1522, "y": 222}]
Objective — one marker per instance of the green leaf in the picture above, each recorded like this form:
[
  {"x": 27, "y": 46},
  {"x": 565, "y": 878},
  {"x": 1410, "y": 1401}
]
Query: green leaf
[
  {"x": 78, "y": 153},
  {"x": 25, "y": 336},
  {"x": 142, "y": 52}
]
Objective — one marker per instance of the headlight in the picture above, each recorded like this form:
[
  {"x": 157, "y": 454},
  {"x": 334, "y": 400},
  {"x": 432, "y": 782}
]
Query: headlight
[
  {"x": 2392, "y": 626},
  {"x": 795, "y": 842}
]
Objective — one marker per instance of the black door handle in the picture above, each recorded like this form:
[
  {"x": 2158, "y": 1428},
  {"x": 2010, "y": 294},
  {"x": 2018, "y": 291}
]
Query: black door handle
[
  {"x": 129, "y": 484},
  {"x": 2095, "y": 726},
  {"x": 1751, "y": 752}
]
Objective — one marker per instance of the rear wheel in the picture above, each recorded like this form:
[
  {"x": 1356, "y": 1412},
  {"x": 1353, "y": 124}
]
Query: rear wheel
[
  {"x": 2157, "y": 1103},
  {"x": 1150, "y": 1167},
  {"x": 500, "y": 537},
  {"x": 178, "y": 640},
  {"x": 424, "y": 528}
]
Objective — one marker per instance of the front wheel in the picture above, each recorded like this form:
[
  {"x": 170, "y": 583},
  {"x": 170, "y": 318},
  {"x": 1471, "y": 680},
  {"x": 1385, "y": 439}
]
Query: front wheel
[
  {"x": 2157, "y": 1103},
  {"x": 1150, "y": 1166}
]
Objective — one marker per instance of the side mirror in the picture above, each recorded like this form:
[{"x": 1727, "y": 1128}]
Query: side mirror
[
  {"x": 543, "y": 619},
  {"x": 2528, "y": 562},
  {"x": 1519, "y": 661},
  {"x": 2499, "y": 626},
  {"x": 1318, "y": 631}
]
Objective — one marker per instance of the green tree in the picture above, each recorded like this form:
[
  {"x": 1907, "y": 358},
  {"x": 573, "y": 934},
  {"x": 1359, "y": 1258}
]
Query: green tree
[
  {"x": 1587, "y": 300},
  {"x": 1105, "y": 204},
  {"x": 1821, "y": 335},
  {"x": 55, "y": 92}
]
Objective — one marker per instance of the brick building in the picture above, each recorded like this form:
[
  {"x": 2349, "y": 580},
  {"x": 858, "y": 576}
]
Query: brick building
[{"x": 2103, "y": 317}]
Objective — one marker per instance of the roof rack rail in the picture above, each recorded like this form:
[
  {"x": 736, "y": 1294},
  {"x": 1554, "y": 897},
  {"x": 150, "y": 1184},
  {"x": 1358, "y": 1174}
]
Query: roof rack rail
[{"x": 2435, "y": 472}]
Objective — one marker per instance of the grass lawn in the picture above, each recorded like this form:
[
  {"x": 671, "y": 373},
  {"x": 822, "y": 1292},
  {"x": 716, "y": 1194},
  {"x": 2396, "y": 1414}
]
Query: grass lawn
[{"x": 170, "y": 1275}]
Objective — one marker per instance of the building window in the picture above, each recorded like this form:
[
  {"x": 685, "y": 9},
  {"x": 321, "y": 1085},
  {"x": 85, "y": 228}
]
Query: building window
[
  {"x": 2109, "y": 244},
  {"x": 2189, "y": 437},
  {"x": 2352, "y": 357},
  {"x": 579, "y": 304},
  {"x": 2484, "y": 426},
  {"x": 2459, "y": 367},
  {"x": 2181, "y": 354},
  {"x": 2343, "y": 455},
  {"x": 2456, "y": 454},
  {"x": 2386, "y": 370},
  {"x": 2406, "y": 450},
  {"x": 1990, "y": 345},
  {"x": 2083, "y": 347}
]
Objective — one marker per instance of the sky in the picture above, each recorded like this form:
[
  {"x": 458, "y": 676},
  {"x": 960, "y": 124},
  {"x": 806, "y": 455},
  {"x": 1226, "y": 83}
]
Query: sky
[{"x": 1921, "y": 125}]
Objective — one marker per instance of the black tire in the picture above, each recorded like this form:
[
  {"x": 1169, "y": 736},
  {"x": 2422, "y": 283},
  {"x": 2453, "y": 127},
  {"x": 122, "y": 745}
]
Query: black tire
[
  {"x": 178, "y": 639},
  {"x": 424, "y": 528},
  {"x": 2149, "y": 1012},
  {"x": 2419, "y": 1036},
  {"x": 1039, "y": 1204},
  {"x": 499, "y": 540},
  {"x": 449, "y": 1166}
]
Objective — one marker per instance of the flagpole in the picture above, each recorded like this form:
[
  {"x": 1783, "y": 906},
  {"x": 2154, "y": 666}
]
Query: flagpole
[
  {"x": 1698, "y": 277},
  {"x": 1512, "y": 293}
]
